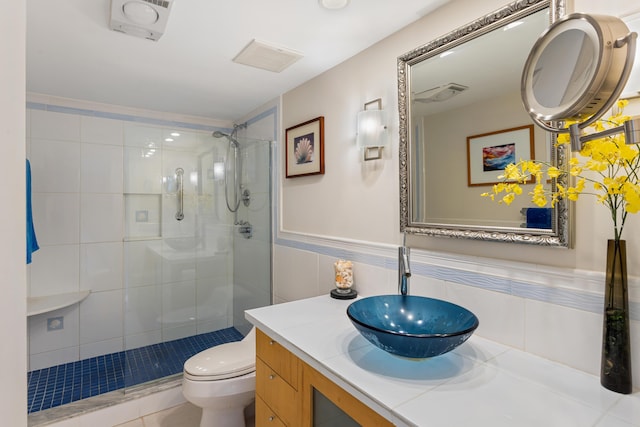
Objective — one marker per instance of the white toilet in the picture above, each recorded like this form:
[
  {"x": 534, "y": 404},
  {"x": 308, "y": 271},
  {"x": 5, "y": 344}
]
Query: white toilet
[{"x": 222, "y": 381}]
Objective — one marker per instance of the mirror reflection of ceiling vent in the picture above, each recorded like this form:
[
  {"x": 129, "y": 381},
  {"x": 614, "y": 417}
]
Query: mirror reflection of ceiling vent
[
  {"x": 140, "y": 18},
  {"x": 267, "y": 56},
  {"x": 439, "y": 93}
]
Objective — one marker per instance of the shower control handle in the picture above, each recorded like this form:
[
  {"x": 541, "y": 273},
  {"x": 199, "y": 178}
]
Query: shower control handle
[{"x": 180, "y": 182}]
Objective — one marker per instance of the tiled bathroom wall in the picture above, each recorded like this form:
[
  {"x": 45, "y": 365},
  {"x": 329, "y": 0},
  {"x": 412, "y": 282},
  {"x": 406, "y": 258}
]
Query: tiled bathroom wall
[
  {"x": 77, "y": 181},
  {"x": 544, "y": 311},
  {"x": 101, "y": 204}
]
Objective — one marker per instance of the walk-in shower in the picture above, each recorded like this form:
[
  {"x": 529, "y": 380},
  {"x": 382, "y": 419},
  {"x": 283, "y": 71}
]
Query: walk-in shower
[{"x": 188, "y": 270}]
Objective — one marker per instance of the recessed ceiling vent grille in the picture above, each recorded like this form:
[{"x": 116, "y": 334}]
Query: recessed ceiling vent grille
[
  {"x": 140, "y": 18},
  {"x": 160, "y": 3},
  {"x": 267, "y": 56},
  {"x": 439, "y": 93}
]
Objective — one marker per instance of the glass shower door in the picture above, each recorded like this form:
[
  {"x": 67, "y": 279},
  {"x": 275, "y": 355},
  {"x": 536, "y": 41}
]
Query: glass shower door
[{"x": 189, "y": 273}]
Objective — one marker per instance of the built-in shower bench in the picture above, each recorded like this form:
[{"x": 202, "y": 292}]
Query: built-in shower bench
[{"x": 47, "y": 303}]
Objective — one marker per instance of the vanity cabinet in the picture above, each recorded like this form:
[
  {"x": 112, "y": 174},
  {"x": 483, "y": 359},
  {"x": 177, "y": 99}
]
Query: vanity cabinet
[
  {"x": 291, "y": 393},
  {"x": 277, "y": 383}
]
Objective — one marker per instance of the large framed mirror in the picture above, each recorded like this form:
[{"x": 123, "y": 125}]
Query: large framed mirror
[{"x": 462, "y": 119}]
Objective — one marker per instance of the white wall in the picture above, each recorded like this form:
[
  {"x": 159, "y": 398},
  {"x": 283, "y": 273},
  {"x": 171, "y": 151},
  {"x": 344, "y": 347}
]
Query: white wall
[
  {"x": 545, "y": 300},
  {"x": 13, "y": 360}
]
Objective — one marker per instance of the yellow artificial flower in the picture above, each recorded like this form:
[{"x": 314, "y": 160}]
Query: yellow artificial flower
[
  {"x": 538, "y": 196},
  {"x": 574, "y": 192},
  {"x": 512, "y": 172},
  {"x": 612, "y": 169},
  {"x": 507, "y": 199},
  {"x": 632, "y": 197},
  {"x": 553, "y": 172}
]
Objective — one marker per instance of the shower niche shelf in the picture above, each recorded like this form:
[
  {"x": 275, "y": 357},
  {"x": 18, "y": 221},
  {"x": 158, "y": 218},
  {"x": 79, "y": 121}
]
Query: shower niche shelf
[{"x": 45, "y": 304}]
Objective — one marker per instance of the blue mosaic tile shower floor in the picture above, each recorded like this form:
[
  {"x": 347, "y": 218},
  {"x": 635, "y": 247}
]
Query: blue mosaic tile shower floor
[{"x": 62, "y": 384}]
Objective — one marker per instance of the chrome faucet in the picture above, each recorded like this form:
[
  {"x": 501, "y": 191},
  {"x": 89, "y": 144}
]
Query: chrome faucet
[{"x": 404, "y": 271}]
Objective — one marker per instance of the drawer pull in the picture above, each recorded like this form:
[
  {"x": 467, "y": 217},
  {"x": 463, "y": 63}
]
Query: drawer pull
[
  {"x": 271, "y": 418},
  {"x": 272, "y": 342},
  {"x": 272, "y": 377}
]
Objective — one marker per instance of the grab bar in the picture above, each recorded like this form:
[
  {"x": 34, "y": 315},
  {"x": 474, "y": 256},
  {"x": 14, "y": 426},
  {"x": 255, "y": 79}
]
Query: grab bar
[{"x": 180, "y": 182}]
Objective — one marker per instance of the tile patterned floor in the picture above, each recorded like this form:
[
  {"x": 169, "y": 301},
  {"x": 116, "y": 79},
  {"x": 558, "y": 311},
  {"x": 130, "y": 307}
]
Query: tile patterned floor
[
  {"x": 62, "y": 384},
  {"x": 185, "y": 415}
]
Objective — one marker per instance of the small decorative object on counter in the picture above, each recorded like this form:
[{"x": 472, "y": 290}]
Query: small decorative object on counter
[{"x": 344, "y": 280}]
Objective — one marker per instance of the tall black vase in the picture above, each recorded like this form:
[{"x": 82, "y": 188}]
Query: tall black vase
[{"x": 615, "y": 372}]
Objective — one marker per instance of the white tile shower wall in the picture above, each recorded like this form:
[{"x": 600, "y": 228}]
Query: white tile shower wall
[
  {"x": 56, "y": 270},
  {"x": 101, "y": 266},
  {"x": 550, "y": 329},
  {"x": 77, "y": 191},
  {"x": 79, "y": 160}
]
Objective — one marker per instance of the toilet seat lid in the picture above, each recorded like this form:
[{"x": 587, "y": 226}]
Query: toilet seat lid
[{"x": 220, "y": 362}]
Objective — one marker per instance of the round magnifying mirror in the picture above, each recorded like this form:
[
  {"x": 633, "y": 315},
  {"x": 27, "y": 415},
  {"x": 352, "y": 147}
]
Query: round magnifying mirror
[{"x": 577, "y": 67}]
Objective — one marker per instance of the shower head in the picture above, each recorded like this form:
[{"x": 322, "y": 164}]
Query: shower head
[{"x": 232, "y": 140}]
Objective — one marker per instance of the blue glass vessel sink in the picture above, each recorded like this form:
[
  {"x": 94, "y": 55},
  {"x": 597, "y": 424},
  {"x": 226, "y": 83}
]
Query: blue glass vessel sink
[{"x": 412, "y": 326}]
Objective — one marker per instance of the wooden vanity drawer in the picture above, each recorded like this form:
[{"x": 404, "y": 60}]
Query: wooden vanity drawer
[
  {"x": 265, "y": 416},
  {"x": 277, "y": 393},
  {"x": 278, "y": 358}
]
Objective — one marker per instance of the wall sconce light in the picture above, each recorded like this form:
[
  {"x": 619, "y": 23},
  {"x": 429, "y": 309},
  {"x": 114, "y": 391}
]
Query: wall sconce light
[{"x": 373, "y": 134}]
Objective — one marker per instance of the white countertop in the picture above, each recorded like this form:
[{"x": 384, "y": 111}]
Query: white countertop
[{"x": 481, "y": 383}]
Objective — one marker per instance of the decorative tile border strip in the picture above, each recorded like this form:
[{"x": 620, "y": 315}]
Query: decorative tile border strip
[{"x": 424, "y": 264}]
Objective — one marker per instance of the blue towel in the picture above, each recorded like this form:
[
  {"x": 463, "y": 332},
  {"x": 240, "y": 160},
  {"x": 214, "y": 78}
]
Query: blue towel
[{"x": 32, "y": 243}]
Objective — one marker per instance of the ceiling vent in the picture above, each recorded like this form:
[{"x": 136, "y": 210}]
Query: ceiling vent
[
  {"x": 267, "y": 56},
  {"x": 140, "y": 18},
  {"x": 439, "y": 93}
]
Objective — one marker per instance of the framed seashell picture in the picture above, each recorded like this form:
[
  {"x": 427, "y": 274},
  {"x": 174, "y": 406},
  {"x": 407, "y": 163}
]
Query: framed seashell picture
[{"x": 305, "y": 148}]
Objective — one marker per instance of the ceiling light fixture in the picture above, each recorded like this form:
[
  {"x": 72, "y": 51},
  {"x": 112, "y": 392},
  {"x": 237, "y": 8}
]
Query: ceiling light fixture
[{"x": 333, "y": 4}]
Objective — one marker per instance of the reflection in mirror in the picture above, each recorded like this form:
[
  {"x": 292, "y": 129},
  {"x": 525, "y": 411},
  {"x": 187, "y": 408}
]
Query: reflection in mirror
[
  {"x": 462, "y": 120},
  {"x": 554, "y": 86}
]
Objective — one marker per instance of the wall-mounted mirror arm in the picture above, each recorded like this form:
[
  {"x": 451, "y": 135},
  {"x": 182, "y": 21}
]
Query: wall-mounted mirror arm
[
  {"x": 628, "y": 41},
  {"x": 630, "y": 128}
]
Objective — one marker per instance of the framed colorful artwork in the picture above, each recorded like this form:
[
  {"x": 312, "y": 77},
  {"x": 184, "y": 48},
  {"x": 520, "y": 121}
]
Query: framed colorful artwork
[
  {"x": 489, "y": 153},
  {"x": 305, "y": 148}
]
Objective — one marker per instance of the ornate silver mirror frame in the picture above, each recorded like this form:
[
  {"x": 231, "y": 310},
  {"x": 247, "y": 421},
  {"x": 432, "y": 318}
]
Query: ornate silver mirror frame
[{"x": 559, "y": 234}]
